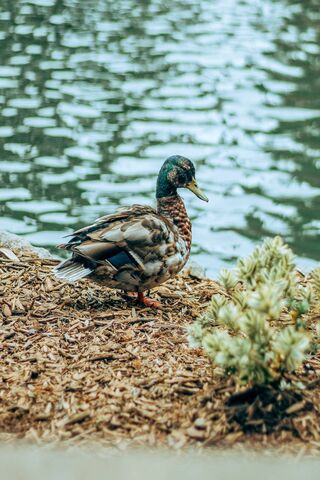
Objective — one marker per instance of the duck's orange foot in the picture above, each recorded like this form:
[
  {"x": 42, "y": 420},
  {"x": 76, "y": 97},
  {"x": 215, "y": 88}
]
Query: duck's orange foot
[{"x": 147, "y": 302}]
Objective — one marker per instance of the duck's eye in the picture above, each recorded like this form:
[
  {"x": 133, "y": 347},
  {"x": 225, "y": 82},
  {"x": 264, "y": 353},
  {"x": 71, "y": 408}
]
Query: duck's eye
[
  {"x": 177, "y": 177},
  {"x": 181, "y": 179}
]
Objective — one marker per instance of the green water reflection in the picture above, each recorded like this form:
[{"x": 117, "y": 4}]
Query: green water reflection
[{"x": 95, "y": 94}]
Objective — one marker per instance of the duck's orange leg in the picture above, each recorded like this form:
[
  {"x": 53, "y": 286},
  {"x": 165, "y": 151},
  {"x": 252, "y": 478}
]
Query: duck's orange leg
[{"x": 148, "y": 302}]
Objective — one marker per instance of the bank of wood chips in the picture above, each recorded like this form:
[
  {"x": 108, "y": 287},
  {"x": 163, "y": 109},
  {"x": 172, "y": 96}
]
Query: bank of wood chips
[{"x": 81, "y": 364}]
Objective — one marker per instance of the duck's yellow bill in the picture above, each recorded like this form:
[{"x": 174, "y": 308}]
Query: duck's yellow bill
[{"x": 193, "y": 187}]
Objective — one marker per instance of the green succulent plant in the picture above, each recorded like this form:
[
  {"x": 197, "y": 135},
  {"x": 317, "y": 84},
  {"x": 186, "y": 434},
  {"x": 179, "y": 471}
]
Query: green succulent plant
[
  {"x": 315, "y": 282},
  {"x": 243, "y": 331}
]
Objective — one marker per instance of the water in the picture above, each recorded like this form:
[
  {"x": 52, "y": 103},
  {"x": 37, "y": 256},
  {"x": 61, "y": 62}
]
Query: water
[{"x": 94, "y": 95}]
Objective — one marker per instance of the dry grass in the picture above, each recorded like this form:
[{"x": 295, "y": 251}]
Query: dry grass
[{"x": 82, "y": 364}]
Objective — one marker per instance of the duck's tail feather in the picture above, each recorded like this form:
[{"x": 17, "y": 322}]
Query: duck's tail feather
[{"x": 71, "y": 271}]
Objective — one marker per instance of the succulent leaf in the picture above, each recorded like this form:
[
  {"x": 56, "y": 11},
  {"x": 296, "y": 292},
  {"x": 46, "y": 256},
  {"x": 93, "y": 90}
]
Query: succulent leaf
[{"x": 241, "y": 331}]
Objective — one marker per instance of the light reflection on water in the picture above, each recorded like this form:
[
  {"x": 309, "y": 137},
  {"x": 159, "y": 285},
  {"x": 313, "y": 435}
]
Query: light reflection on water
[{"x": 94, "y": 95}]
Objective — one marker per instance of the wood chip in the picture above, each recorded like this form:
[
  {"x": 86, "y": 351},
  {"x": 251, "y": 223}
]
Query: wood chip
[
  {"x": 83, "y": 364},
  {"x": 195, "y": 433},
  {"x": 9, "y": 254},
  {"x": 296, "y": 407},
  {"x": 6, "y": 310},
  {"x": 77, "y": 418}
]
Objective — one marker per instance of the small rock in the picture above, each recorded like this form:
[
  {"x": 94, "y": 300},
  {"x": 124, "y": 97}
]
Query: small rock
[
  {"x": 200, "y": 423},
  {"x": 14, "y": 242},
  {"x": 195, "y": 270}
]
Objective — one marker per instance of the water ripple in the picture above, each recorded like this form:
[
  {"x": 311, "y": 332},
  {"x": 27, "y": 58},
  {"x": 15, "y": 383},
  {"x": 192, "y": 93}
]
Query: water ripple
[{"x": 95, "y": 95}]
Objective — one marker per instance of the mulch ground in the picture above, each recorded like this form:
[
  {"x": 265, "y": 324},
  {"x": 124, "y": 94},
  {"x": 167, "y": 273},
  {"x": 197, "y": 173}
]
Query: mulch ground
[{"x": 81, "y": 364}]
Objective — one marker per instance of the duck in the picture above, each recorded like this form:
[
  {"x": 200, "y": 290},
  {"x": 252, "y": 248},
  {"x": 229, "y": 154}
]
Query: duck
[{"x": 137, "y": 248}]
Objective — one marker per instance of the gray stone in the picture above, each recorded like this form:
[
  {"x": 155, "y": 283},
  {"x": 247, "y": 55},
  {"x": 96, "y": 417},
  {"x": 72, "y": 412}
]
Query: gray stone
[
  {"x": 195, "y": 270},
  {"x": 14, "y": 242}
]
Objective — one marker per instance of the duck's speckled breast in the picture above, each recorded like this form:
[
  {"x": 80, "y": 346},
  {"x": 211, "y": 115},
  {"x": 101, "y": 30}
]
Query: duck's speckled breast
[
  {"x": 159, "y": 264},
  {"x": 161, "y": 260}
]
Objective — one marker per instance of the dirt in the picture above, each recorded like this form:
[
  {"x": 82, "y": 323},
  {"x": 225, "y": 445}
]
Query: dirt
[{"x": 81, "y": 364}]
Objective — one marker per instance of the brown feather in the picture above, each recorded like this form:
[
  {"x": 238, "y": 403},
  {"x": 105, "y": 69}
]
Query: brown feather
[{"x": 135, "y": 248}]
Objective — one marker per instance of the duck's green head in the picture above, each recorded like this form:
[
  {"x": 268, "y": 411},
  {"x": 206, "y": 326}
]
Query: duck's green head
[{"x": 177, "y": 172}]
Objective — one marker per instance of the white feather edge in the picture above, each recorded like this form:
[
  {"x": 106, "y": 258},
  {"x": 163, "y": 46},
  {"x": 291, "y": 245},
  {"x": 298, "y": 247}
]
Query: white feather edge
[{"x": 72, "y": 273}]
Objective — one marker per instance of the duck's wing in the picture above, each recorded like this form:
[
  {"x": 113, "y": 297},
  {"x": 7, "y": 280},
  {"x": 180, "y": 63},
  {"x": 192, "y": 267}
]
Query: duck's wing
[{"x": 118, "y": 241}]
